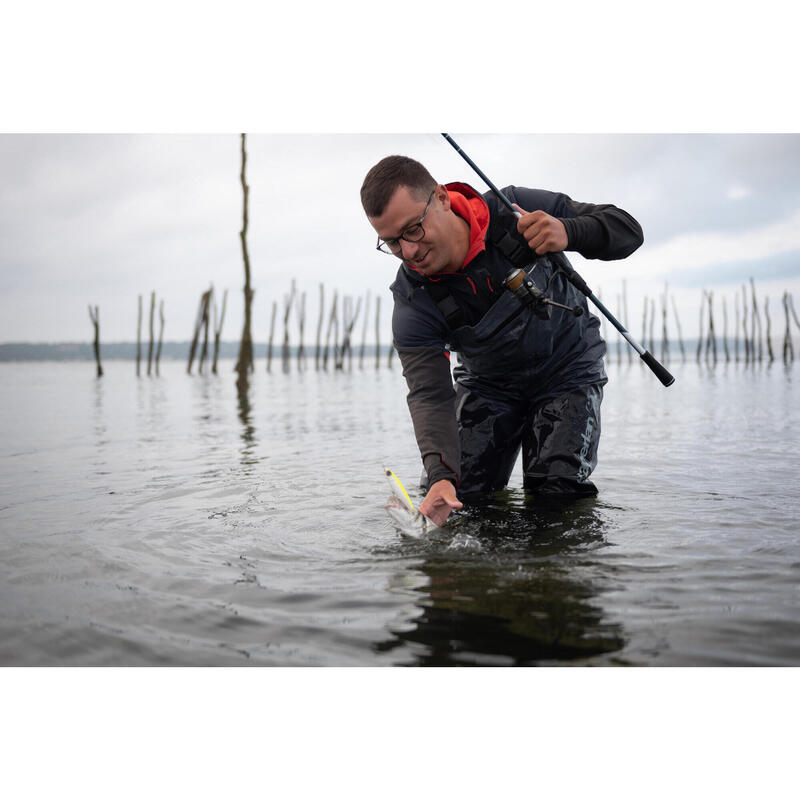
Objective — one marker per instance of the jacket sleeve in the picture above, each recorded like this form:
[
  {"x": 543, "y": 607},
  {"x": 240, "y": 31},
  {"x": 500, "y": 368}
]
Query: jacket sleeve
[
  {"x": 432, "y": 403},
  {"x": 603, "y": 231}
]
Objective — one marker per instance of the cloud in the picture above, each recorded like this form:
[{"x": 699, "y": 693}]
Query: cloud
[{"x": 686, "y": 254}]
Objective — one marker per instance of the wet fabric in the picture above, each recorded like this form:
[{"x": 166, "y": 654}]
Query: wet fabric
[{"x": 558, "y": 437}]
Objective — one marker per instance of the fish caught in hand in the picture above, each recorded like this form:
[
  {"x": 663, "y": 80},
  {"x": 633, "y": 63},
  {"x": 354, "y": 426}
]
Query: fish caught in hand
[{"x": 407, "y": 519}]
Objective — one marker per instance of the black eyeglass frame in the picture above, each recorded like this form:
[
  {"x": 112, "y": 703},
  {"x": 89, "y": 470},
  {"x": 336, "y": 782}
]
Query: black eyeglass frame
[{"x": 394, "y": 241}]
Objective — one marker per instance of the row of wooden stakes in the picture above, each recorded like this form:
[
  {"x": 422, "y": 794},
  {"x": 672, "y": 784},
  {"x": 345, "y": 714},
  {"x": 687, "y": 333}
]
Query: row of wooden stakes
[{"x": 748, "y": 339}]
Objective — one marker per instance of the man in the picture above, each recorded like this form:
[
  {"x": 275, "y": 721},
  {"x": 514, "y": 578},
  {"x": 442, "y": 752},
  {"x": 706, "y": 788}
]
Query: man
[{"x": 531, "y": 380}]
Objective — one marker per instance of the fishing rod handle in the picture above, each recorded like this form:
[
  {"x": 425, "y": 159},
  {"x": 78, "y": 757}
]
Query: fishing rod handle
[{"x": 659, "y": 370}]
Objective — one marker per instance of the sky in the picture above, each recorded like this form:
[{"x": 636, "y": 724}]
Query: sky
[{"x": 100, "y": 219}]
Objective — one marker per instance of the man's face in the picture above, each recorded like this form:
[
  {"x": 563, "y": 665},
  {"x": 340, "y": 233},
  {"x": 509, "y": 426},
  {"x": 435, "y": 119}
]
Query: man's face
[{"x": 434, "y": 252}]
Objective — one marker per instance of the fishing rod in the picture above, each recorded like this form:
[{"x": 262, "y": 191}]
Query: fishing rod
[{"x": 658, "y": 369}]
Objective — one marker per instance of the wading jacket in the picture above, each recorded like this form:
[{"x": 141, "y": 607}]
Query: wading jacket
[{"x": 547, "y": 357}]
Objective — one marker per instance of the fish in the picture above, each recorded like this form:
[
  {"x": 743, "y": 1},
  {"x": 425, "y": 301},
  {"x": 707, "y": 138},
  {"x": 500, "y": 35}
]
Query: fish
[{"x": 407, "y": 519}]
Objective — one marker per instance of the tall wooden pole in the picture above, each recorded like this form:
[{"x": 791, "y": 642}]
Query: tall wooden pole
[{"x": 245, "y": 362}]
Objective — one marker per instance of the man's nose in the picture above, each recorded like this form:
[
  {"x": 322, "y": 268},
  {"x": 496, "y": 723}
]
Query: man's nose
[{"x": 408, "y": 249}]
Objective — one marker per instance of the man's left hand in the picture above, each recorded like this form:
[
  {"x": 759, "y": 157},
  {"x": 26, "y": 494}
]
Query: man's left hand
[{"x": 544, "y": 234}]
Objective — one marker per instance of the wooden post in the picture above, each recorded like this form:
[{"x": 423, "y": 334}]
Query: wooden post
[
  {"x": 288, "y": 302},
  {"x": 711, "y": 344},
  {"x": 160, "y": 333},
  {"x": 700, "y": 337},
  {"x": 271, "y": 335},
  {"x": 725, "y": 329},
  {"x": 94, "y": 316},
  {"x": 678, "y": 326},
  {"x": 770, "y": 354},
  {"x": 198, "y": 326},
  {"x": 757, "y": 318},
  {"x": 736, "y": 330},
  {"x": 644, "y": 324},
  {"x": 301, "y": 322},
  {"x": 139, "y": 340},
  {"x": 652, "y": 320},
  {"x": 624, "y": 320},
  {"x": 319, "y": 325},
  {"x": 332, "y": 320},
  {"x": 218, "y": 329},
  {"x": 244, "y": 364},
  {"x": 206, "y": 315},
  {"x": 152, "y": 332},
  {"x": 349, "y": 319},
  {"x": 744, "y": 326},
  {"x": 364, "y": 333},
  {"x": 788, "y": 347},
  {"x": 619, "y": 338}
]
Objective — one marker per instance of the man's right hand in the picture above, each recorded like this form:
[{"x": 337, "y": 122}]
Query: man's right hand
[{"x": 440, "y": 501}]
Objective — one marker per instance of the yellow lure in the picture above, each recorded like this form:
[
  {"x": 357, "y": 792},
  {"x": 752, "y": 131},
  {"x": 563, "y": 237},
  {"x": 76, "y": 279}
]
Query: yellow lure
[{"x": 398, "y": 484}]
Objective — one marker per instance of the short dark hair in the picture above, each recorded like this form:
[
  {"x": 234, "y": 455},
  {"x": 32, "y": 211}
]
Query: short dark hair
[{"x": 387, "y": 176}]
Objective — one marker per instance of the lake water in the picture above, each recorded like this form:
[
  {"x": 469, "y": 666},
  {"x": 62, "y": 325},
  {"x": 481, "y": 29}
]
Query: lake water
[{"x": 166, "y": 521}]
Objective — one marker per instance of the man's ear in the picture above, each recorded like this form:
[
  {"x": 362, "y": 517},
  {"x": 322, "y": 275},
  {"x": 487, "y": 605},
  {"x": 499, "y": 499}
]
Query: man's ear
[{"x": 443, "y": 196}]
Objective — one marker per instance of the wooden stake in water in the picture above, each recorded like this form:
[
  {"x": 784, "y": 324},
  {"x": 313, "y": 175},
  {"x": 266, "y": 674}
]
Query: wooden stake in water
[
  {"x": 725, "y": 329},
  {"x": 160, "y": 332},
  {"x": 244, "y": 363},
  {"x": 757, "y": 319},
  {"x": 364, "y": 333},
  {"x": 770, "y": 355},
  {"x": 301, "y": 323},
  {"x": 271, "y": 334},
  {"x": 94, "y": 316},
  {"x": 319, "y": 325},
  {"x": 206, "y": 317},
  {"x": 711, "y": 344},
  {"x": 139, "y": 340},
  {"x": 333, "y": 320},
  {"x": 152, "y": 333},
  {"x": 218, "y": 328},
  {"x": 747, "y": 350},
  {"x": 678, "y": 326},
  {"x": 700, "y": 336},
  {"x": 788, "y": 348}
]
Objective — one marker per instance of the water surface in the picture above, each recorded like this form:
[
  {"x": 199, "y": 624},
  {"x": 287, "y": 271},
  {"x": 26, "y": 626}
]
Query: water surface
[{"x": 169, "y": 521}]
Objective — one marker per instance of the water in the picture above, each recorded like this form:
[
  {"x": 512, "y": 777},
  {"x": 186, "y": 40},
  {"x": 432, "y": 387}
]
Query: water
[{"x": 167, "y": 522}]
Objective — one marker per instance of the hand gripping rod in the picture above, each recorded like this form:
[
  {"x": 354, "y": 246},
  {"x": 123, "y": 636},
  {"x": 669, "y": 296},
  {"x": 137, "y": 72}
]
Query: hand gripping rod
[{"x": 658, "y": 369}]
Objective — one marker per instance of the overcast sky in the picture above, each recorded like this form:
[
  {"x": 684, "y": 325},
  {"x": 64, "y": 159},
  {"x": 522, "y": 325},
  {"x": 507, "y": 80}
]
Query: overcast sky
[{"x": 100, "y": 219}]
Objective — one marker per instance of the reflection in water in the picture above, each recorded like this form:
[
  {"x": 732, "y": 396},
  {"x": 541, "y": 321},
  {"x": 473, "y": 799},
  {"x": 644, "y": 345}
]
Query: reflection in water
[
  {"x": 510, "y": 586},
  {"x": 248, "y": 434}
]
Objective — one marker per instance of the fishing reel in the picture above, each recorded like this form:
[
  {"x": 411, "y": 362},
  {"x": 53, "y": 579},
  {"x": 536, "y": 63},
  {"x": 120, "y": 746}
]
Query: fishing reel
[{"x": 520, "y": 284}]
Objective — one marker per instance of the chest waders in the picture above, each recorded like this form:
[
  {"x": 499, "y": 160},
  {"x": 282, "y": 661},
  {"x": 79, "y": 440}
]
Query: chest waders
[{"x": 528, "y": 381}]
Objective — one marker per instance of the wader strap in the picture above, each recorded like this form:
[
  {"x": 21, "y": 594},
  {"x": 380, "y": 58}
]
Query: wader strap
[
  {"x": 453, "y": 313},
  {"x": 504, "y": 236}
]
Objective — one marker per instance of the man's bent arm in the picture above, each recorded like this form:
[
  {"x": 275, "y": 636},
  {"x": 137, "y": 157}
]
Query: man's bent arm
[{"x": 432, "y": 403}]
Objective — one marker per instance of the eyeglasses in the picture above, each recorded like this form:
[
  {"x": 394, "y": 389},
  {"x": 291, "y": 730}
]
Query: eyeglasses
[{"x": 413, "y": 233}]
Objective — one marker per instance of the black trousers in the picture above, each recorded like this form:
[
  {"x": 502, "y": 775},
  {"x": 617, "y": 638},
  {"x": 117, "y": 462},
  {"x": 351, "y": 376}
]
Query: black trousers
[{"x": 558, "y": 437}]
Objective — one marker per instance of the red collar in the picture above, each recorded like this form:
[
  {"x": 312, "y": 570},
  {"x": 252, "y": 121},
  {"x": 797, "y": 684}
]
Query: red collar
[{"x": 470, "y": 206}]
